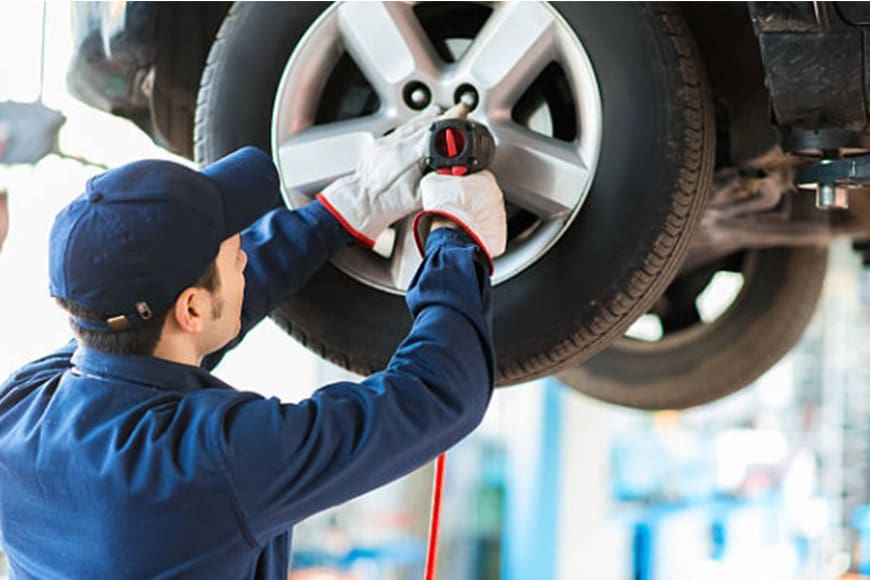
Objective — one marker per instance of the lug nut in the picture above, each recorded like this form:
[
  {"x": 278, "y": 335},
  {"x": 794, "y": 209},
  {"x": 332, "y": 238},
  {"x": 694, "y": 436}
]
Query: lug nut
[
  {"x": 466, "y": 94},
  {"x": 419, "y": 98},
  {"x": 417, "y": 95}
]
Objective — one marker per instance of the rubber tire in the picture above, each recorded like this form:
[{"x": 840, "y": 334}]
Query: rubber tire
[
  {"x": 710, "y": 361},
  {"x": 619, "y": 255}
]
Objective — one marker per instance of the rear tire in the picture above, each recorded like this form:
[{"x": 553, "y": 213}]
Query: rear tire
[{"x": 709, "y": 361}]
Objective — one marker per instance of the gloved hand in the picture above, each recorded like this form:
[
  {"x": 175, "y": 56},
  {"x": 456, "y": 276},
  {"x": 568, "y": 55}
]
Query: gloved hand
[
  {"x": 383, "y": 189},
  {"x": 474, "y": 202}
]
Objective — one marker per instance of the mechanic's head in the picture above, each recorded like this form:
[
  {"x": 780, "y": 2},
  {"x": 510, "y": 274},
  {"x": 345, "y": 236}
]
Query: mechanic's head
[{"x": 151, "y": 253}]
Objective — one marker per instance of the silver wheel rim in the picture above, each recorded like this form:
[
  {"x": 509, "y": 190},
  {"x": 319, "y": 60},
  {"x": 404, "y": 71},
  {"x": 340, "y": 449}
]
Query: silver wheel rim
[{"x": 544, "y": 176}]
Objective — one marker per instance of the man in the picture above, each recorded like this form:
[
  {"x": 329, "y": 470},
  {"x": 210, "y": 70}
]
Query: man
[{"x": 121, "y": 456}]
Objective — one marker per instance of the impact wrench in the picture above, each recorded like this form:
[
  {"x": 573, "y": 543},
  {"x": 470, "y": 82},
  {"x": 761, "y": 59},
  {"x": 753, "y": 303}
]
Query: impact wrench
[{"x": 456, "y": 147}]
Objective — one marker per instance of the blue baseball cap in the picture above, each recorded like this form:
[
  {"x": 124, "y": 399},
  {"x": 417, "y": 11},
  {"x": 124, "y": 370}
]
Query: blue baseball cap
[{"x": 142, "y": 233}]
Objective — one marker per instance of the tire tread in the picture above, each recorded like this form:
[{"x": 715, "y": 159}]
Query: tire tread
[{"x": 663, "y": 260}]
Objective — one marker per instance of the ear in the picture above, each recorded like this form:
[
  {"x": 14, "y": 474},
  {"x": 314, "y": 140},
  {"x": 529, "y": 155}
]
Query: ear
[{"x": 189, "y": 310}]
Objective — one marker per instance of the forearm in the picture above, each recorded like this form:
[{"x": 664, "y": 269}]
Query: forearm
[{"x": 442, "y": 222}]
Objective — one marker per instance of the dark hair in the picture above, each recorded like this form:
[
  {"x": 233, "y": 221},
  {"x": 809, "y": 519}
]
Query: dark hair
[{"x": 141, "y": 340}]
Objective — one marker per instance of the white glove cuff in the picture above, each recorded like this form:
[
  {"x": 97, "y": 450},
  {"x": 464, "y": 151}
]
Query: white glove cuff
[
  {"x": 422, "y": 222},
  {"x": 361, "y": 237}
]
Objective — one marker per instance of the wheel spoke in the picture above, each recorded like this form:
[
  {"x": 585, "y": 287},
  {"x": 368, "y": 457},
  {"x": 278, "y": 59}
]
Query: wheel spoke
[
  {"x": 512, "y": 48},
  {"x": 315, "y": 157},
  {"x": 405, "y": 259},
  {"x": 388, "y": 44},
  {"x": 542, "y": 175}
]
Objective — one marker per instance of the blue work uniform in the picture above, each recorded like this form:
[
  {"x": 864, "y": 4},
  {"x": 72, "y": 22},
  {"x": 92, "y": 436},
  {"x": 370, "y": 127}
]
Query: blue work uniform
[{"x": 136, "y": 467}]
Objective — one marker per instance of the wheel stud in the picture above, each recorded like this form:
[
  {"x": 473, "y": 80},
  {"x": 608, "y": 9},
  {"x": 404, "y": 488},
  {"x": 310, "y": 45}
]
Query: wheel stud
[{"x": 417, "y": 95}]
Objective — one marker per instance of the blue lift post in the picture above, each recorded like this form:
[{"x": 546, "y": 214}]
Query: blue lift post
[{"x": 532, "y": 496}]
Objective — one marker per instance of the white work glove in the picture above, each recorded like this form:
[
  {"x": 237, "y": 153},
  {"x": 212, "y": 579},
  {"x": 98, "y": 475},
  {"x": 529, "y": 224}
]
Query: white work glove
[
  {"x": 474, "y": 202},
  {"x": 383, "y": 189}
]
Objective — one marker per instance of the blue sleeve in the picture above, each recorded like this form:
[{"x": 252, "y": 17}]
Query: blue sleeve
[
  {"x": 285, "y": 248},
  {"x": 289, "y": 461}
]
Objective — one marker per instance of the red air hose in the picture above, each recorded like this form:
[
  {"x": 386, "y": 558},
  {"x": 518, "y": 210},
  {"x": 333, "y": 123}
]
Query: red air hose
[
  {"x": 435, "y": 518},
  {"x": 451, "y": 137}
]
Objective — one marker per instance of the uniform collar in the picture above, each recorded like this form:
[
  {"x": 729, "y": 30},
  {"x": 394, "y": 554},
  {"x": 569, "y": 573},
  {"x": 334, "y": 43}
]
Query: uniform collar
[{"x": 144, "y": 370}]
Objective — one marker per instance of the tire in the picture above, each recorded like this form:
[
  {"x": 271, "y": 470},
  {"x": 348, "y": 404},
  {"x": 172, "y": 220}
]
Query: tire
[
  {"x": 618, "y": 255},
  {"x": 708, "y": 361}
]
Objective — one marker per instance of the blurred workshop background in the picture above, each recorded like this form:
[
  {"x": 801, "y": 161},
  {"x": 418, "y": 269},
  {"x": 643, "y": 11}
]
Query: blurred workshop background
[{"x": 768, "y": 484}]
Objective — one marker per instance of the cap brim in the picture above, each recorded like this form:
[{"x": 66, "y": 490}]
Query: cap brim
[{"x": 249, "y": 185}]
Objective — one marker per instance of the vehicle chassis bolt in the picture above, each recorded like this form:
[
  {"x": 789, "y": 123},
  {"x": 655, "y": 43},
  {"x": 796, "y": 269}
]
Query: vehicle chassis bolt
[{"x": 829, "y": 196}]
